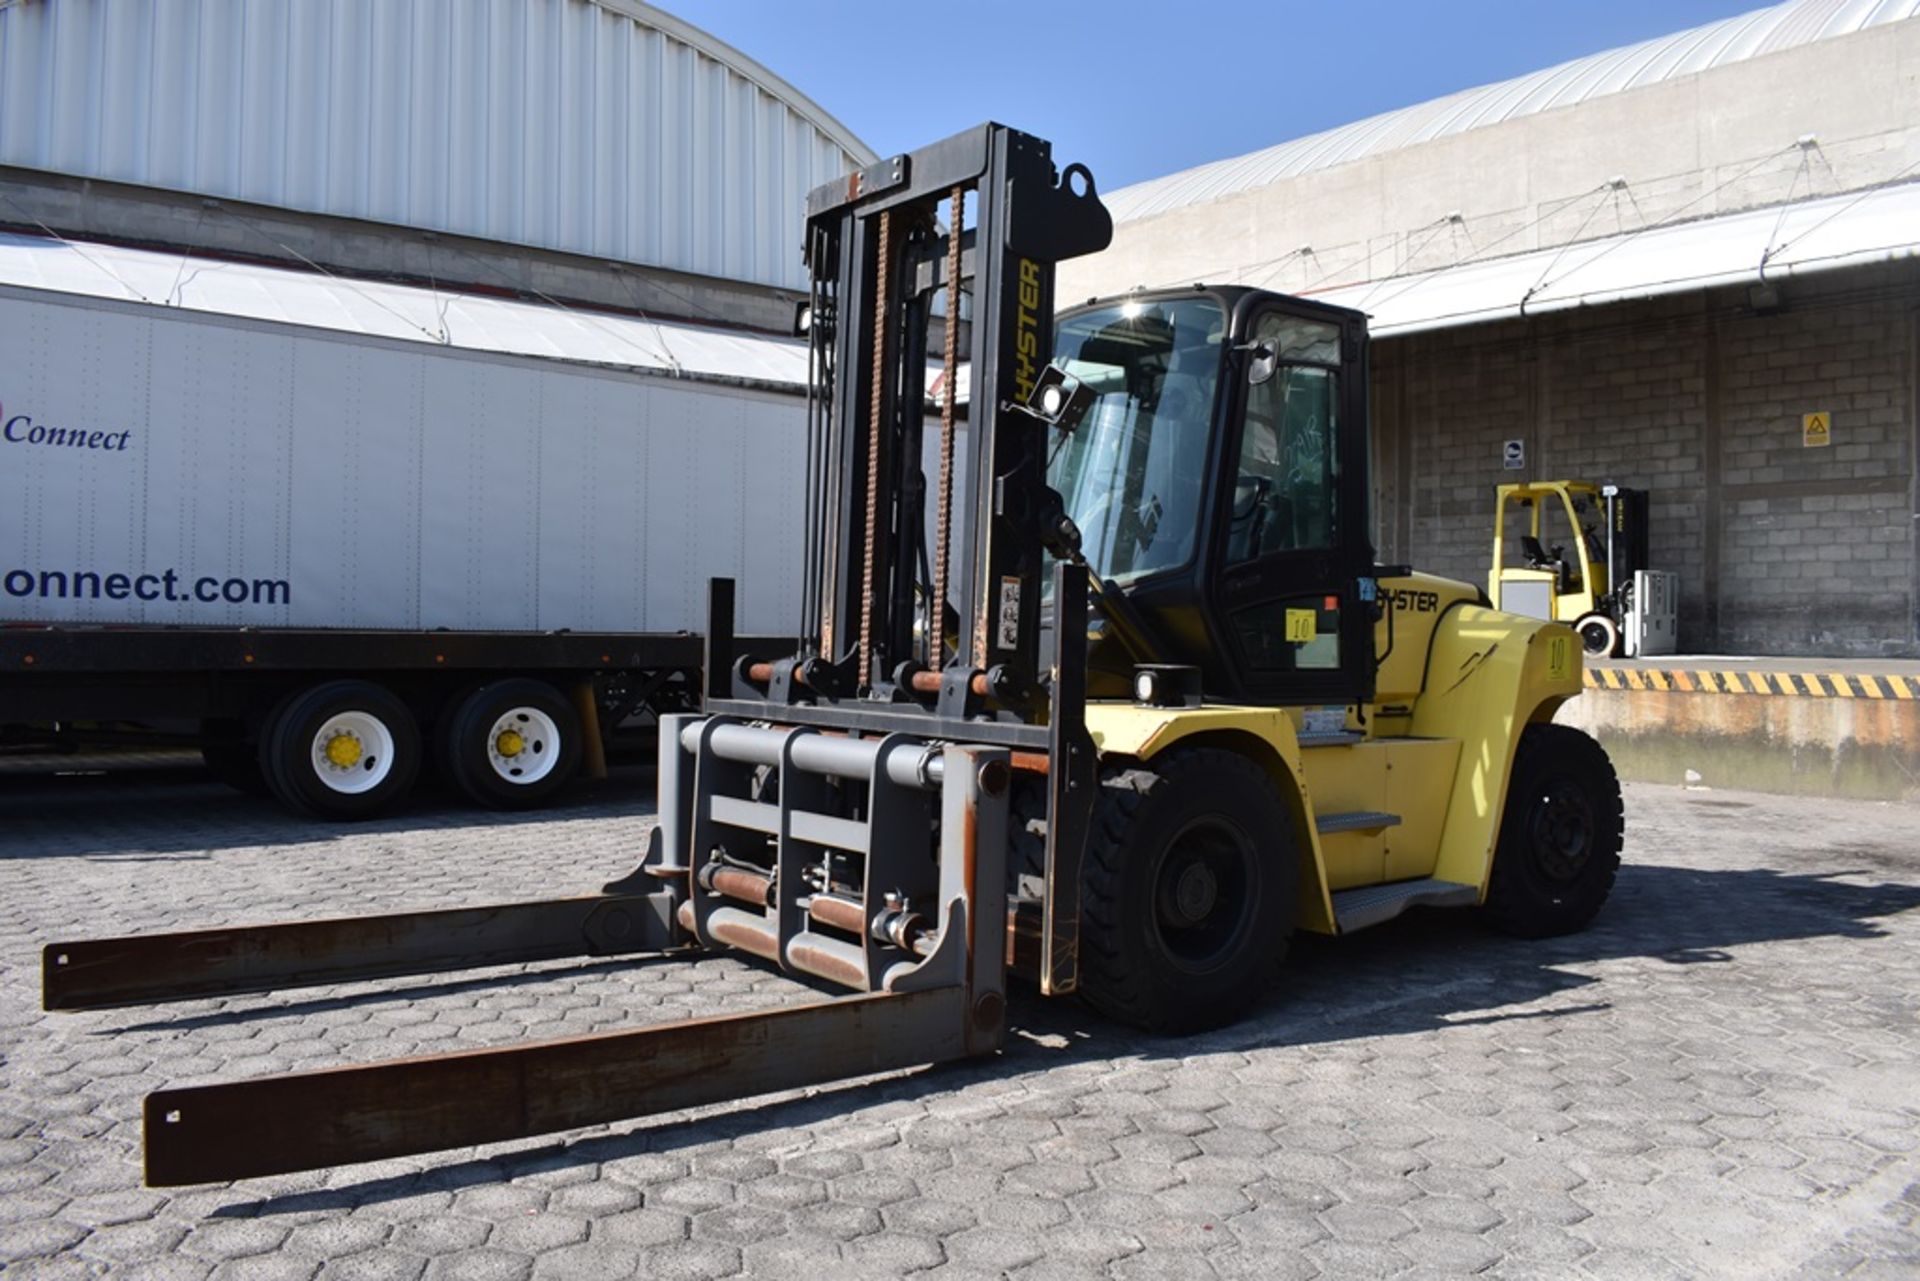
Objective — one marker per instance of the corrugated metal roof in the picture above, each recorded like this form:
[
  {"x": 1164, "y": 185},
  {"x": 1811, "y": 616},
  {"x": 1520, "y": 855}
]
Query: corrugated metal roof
[
  {"x": 474, "y": 322},
  {"x": 1783, "y": 241},
  {"x": 1730, "y": 40},
  {"x": 1774, "y": 243},
  {"x": 597, "y": 127}
]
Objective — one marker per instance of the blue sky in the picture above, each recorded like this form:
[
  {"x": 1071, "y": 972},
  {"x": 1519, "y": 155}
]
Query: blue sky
[{"x": 1135, "y": 89}]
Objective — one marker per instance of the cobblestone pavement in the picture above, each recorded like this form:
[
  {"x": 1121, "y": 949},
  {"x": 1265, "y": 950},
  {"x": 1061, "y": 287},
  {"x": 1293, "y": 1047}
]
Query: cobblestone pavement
[{"x": 1719, "y": 1079}]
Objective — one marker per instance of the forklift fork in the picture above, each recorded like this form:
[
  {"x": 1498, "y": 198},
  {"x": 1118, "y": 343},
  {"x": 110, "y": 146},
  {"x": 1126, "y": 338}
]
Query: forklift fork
[{"x": 873, "y": 864}]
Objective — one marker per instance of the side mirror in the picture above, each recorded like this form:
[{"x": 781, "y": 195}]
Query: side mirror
[{"x": 1261, "y": 363}]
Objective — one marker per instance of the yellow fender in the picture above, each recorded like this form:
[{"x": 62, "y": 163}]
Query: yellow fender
[
  {"x": 1489, "y": 675},
  {"x": 1265, "y": 734}
]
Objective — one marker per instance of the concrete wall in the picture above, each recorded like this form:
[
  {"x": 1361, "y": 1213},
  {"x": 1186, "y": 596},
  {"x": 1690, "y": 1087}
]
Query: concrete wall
[
  {"x": 1781, "y": 549},
  {"x": 1857, "y": 748},
  {"x": 1711, "y": 143}
]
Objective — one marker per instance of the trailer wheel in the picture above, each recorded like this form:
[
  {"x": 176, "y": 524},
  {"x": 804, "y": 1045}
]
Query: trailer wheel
[
  {"x": 1190, "y": 881},
  {"x": 1599, "y": 635},
  {"x": 1560, "y": 835},
  {"x": 511, "y": 744},
  {"x": 345, "y": 749}
]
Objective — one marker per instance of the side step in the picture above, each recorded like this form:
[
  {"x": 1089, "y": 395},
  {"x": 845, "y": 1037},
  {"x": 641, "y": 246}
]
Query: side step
[
  {"x": 1369, "y": 905},
  {"x": 1355, "y": 821}
]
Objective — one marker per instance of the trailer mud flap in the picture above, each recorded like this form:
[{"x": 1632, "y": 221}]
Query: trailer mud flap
[{"x": 302, "y": 1121}]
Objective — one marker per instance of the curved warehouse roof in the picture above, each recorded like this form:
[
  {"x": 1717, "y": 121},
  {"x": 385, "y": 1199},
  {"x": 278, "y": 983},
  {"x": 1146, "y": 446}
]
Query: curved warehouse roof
[
  {"x": 1730, "y": 40},
  {"x": 597, "y": 127}
]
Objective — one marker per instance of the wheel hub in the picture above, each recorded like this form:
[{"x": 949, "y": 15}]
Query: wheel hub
[
  {"x": 344, "y": 751},
  {"x": 1195, "y": 894},
  {"x": 1204, "y": 894},
  {"x": 352, "y": 752},
  {"x": 1560, "y": 825},
  {"x": 523, "y": 745}
]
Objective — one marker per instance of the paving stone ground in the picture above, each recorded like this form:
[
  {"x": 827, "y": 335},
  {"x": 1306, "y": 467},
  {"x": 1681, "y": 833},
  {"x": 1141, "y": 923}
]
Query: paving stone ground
[{"x": 1721, "y": 1079}]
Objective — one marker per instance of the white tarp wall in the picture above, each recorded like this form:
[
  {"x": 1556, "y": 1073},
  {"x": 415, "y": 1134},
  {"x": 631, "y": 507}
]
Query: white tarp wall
[{"x": 306, "y": 478}]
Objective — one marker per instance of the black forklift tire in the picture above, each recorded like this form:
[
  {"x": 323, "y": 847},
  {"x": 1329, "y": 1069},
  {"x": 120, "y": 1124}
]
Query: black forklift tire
[
  {"x": 1189, "y": 882},
  {"x": 1560, "y": 835},
  {"x": 511, "y": 744},
  {"x": 374, "y": 764},
  {"x": 1599, "y": 635}
]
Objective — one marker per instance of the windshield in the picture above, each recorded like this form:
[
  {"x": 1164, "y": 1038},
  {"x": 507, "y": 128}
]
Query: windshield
[{"x": 1133, "y": 470}]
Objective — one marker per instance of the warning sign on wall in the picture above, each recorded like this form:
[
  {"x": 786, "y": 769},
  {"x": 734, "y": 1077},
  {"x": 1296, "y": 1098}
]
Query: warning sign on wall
[
  {"x": 1513, "y": 455},
  {"x": 1816, "y": 430}
]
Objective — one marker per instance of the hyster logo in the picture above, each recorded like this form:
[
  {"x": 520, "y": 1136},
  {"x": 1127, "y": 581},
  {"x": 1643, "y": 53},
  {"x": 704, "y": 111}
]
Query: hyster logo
[
  {"x": 20, "y": 429},
  {"x": 1026, "y": 326},
  {"x": 1415, "y": 602}
]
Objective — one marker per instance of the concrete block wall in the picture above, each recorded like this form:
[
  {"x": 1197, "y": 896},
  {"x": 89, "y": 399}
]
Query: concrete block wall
[{"x": 1781, "y": 549}]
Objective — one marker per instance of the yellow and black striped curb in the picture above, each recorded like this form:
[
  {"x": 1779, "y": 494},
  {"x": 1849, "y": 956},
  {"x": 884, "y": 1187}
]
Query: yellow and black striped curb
[{"x": 1791, "y": 684}]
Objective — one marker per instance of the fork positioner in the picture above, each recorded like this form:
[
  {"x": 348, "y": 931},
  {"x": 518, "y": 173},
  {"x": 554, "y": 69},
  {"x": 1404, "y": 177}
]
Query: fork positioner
[{"x": 841, "y": 811}]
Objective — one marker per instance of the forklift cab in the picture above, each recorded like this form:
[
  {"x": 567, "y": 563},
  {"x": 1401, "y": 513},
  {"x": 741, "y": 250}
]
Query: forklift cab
[
  {"x": 1218, "y": 480},
  {"x": 1562, "y": 572}
]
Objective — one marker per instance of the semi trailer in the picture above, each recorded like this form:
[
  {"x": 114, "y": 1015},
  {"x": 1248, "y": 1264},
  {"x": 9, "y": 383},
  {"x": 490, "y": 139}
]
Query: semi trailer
[{"x": 328, "y": 557}]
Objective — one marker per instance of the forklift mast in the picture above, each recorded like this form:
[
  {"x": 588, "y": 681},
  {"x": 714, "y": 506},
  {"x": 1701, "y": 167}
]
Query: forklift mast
[
  {"x": 1626, "y": 513},
  {"x": 941, "y": 633},
  {"x": 883, "y": 246}
]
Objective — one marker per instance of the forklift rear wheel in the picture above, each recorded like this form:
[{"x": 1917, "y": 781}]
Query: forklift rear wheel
[
  {"x": 1599, "y": 635},
  {"x": 511, "y": 744},
  {"x": 1189, "y": 891},
  {"x": 1559, "y": 837},
  {"x": 344, "y": 749}
]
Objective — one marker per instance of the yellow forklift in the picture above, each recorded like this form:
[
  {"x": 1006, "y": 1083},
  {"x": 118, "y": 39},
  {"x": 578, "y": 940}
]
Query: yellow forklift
[
  {"x": 1096, "y": 682},
  {"x": 1594, "y": 586}
]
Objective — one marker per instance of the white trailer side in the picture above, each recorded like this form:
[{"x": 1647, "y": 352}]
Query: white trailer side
[
  {"x": 206, "y": 517},
  {"x": 362, "y": 482}
]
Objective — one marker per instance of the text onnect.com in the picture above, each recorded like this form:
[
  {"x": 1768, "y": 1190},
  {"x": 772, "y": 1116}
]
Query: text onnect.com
[{"x": 168, "y": 585}]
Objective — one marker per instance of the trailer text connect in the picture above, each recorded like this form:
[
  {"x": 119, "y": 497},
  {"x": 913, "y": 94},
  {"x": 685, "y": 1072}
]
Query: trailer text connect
[
  {"x": 22, "y": 430},
  {"x": 82, "y": 584}
]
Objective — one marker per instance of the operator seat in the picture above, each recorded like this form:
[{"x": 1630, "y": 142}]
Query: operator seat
[{"x": 1539, "y": 557}]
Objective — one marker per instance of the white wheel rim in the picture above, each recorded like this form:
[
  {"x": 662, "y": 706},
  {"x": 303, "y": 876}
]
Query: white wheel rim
[
  {"x": 352, "y": 753},
  {"x": 523, "y": 746}
]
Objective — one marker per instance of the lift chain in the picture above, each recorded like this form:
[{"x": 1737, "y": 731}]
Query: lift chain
[
  {"x": 881, "y": 304},
  {"x": 949, "y": 376}
]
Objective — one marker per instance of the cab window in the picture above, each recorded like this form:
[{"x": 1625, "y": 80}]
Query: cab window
[{"x": 1284, "y": 496}]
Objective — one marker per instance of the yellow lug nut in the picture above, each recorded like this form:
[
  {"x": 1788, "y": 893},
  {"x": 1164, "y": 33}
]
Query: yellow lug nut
[{"x": 344, "y": 750}]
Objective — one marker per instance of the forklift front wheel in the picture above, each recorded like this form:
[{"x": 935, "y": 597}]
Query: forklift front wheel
[
  {"x": 1189, "y": 886},
  {"x": 1599, "y": 635}
]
